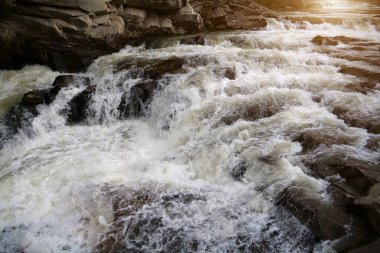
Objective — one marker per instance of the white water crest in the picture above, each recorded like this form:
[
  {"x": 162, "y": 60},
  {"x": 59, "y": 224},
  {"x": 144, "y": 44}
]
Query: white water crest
[{"x": 56, "y": 185}]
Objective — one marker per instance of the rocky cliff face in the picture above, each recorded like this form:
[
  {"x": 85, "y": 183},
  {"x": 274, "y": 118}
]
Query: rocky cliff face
[
  {"x": 232, "y": 14},
  {"x": 69, "y": 35}
]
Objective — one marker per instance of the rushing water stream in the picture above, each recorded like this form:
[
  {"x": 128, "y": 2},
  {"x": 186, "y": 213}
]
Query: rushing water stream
[{"x": 57, "y": 181}]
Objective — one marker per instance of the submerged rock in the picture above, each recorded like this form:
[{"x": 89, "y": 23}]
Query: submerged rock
[{"x": 135, "y": 221}]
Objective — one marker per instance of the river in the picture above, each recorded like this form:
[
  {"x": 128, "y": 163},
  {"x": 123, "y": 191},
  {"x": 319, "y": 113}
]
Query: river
[{"x": 177, "y": 162}]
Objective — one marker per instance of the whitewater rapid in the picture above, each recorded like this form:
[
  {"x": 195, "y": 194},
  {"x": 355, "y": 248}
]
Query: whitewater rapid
[{"x": 54, "y": 183}]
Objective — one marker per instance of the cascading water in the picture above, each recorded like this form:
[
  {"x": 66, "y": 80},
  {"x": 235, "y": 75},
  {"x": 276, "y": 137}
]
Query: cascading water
[{"x": 202, "y": 169}]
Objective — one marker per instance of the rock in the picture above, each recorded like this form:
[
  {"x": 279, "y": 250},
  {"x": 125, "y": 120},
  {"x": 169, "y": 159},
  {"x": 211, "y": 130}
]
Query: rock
[
  {"x": 319, "y": 40},
  {"x": 359, "y": 72},
  {"x": 372, "y": 124},
  {"x": 374, "y": 216},
  {"x": 34, "y": 97},
  {"x": 69, "y": 35},
  {"x": 134, "y": 207},
  {"x": 217, "y": 16},
  {"x": 226, "y": 72},
  {"x": 47, "y": 96},
  {"x": 169, "y": 66},
  {"x": 313, "y": 138},
  {"x": 188, "y": 20},
  {"x": 238, "y": 171},
  {"x": 166, "y": 5},
  {"x": 326, "y": 221},
  {"x": 332, "y": 41},
  {"x": 372, "y": 247},
  {"x": 282, "y": 4},
  {"x": 139, "y": 97},
  {"x": 64, "y": 81},
  {"x": 155, "y": 24},
  {"x": 360, "y": 175},
  {"x": 373, "y": 143},
  {"x": 152, "y": 69},
  {"x": 79, "y": 106},
  {"x": 232, "y": 15},
  {"x": 19, "y": 117},
  {"x": 196, "y": 40},
  {"x": 94, "y": 6},
  {"x": 134, "y": 17}
]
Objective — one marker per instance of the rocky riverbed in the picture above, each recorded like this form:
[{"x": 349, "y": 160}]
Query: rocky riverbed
[{"x": 265, "y": 139}]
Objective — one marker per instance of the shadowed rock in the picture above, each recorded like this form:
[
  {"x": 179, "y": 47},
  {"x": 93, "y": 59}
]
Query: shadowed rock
[
  {"x": 360, "y": 175},
  {"x": 197, "y": 40},
  {"x": 371, "y": 124},
  {"x": 34, "y": 97},
  {"x": 140, "y": 95},
  {"x": 79, "y": 106},
  {"x": 328, "y": 221}
]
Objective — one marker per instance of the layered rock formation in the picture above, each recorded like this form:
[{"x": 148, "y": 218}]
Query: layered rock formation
[
  {"x": 69, "y": 35},
  {"x": 232, "y": 14}
]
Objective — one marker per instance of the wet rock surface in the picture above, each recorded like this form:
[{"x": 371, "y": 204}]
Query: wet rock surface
[
  {"x": 132, "y": 210},
  {"x": 79, "y": 106},
  {"x": 349, "y": 212}
]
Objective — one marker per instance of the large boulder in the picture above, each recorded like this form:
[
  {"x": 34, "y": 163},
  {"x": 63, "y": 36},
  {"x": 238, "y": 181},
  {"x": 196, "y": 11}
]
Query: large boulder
[{"x": 188, "y": 20}]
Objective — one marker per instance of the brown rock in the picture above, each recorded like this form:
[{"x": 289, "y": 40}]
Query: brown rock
[
  {"x": 327, "y": 221},
  {"x": 34, "y": 97},
  {"x": 319, "y": 40},
  {"x": 226, "y": 72},
  {"x": 360, "y": 175},
  {"x": 196, "y": 40}
]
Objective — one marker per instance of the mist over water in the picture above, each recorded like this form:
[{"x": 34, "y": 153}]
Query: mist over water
[{"x": 58, "y": 184}]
